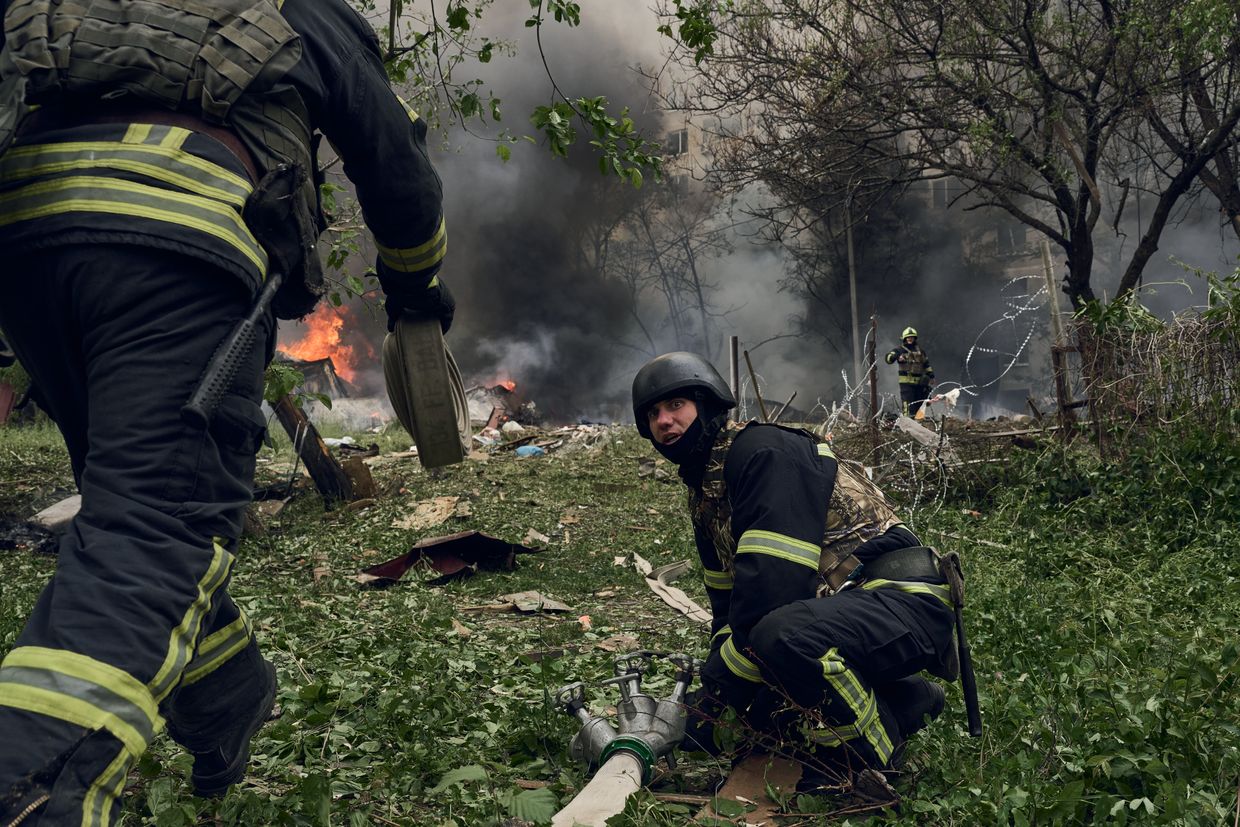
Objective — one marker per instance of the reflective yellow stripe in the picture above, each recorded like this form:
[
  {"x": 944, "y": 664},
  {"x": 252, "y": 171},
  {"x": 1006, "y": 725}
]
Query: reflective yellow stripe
[
  {"x": 738, "y": 664},
  {"x": 717, "y": 579},
  {"x": 104, "y": 790},
  {"x": 413, "y": 116},
  {"x": 939, "y": 590},
  {"x": 824, "y": 450},
  {"x": 187, "y": 630},
  {"x": 70, "y": 709},
  {"x": 779, "y": 545},
  {"x": 726, "y": 630},
  {"x": 136, "y": 133},
  {"x": 102, "y": 152},
  {"x": 217, "y": 649},
  {"x": 862, "y": 703},
  {"x": 175, "y": 138},
  {"x": 117, "y": 197},
  {"x": 422, "y": 257},
  {"x": 73, "y": 675},
  {"x": 234, "y": 196}
]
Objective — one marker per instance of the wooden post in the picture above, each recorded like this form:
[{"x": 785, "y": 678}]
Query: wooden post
[
  {"x": 1058, "y": 368},
  {"x": 734, "y": 367},
  {"x": 871, "y": 363},
  {"x": 753, "y": 377},
  {"x": 331, "y": 480},
  {"x": 783, "y": 407}
]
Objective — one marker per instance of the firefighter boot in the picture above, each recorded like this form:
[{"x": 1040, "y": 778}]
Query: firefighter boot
[
  {"x": 215, "y": 718},
  {"x": 911, "y": 700}
]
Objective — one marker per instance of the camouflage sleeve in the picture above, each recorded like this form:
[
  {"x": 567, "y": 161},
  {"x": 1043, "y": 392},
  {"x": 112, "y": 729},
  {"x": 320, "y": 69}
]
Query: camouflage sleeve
[{"x": 718, "y": 586}]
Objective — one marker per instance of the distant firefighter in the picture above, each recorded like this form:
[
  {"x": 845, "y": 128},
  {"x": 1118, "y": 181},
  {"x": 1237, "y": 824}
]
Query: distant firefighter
[{"x": 916, "y": 375}]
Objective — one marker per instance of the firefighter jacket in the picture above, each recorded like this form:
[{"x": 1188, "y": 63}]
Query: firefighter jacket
[
  {"x": 145, "y": 140},
  {"x": 777, "y": 518},
  {"x": 915, "y": 369}
]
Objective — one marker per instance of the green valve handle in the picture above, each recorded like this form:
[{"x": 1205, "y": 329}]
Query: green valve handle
[{"x": 636, "y": 746}]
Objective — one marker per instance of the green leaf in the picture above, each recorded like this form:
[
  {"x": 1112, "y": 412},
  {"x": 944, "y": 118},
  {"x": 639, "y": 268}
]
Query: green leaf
[
  {"x": 503, "y": 151},
  {"x": 728, "y": 808},
  {"x": 537, "y": 806},
  {"x": 469, "y": 772}
]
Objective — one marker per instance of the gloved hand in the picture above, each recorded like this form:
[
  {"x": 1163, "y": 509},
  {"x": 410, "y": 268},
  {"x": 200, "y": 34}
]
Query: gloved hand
[
  {"x": 434, "y": 301},
  {"x": 705, "y": 713}
]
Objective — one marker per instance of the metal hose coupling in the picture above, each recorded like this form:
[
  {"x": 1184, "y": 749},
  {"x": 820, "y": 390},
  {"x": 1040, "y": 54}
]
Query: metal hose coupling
[
  {"x": 595, "y": 734},
  {"x": 636, "y": 746}
]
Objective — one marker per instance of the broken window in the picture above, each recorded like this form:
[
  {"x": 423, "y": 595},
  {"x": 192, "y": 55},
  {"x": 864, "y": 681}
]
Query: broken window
[{"x": 677, "y": 142}]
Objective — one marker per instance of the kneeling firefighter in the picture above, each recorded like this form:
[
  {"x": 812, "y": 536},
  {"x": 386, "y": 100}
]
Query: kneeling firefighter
[
  {"x": 826, "y": 607},
  {"x": 158, "y": 193}
]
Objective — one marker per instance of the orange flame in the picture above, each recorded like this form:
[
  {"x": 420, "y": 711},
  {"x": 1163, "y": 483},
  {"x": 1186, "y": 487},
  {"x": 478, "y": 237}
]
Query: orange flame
[
  {"x": 322, "y": 341},
  {"x": 506, "y": 384}
]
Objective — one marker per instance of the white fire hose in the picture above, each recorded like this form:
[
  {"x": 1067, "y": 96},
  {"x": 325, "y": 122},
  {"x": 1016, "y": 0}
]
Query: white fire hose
[{"x": 605, "y": 795}]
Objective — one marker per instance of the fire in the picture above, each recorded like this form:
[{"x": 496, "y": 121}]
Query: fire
[
  {"x": 507, "y": 384},
  {"x": 322, "y": 341}
]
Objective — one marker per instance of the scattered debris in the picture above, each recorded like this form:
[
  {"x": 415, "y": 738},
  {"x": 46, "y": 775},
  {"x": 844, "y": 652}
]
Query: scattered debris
[
  {"x": 56, "y": 518},
  {"x": 535, "y": 536},
  {"x": 428, "y": 513},
  {"x": 512, "y": 427},
  {"x": 531, "y": 451},
  {"x": 453, "y": 555},
  {"x": 462, "y": 631},
  {"x": 30, "y": 536},
  {"x": 322, "y": 567},
  {"x": 621, "y": 642},
  {"x": 524, "y": 602},
  {"x": 746, "y": 790},
  {"x": 586, "y": 623}
]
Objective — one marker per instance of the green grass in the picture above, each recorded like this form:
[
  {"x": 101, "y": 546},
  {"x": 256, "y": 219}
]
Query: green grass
[{"x": 1106, "y": 654}]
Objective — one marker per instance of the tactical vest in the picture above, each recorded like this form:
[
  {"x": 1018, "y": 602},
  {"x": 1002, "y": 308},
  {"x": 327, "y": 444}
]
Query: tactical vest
[
  {"x": 223, "y": 61},
  {"x": 857, "y": 511},
  {"x": 913, "y": 368}
]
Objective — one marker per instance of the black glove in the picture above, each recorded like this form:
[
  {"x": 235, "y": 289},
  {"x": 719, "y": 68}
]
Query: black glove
[
  {"x": 705, "y": 712},
  {"x": 436, "y": 302}
]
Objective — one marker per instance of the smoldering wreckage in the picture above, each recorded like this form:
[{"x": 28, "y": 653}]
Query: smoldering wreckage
[{"x": 493, "y": 419}]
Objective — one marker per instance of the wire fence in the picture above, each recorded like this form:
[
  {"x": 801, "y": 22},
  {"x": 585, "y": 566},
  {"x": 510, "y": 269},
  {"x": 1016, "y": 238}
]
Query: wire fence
[{"x": 1162, "y": 377}]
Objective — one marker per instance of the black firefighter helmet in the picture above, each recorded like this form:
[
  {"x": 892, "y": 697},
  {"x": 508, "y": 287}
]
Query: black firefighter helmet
[{"x": 678, "y": 374}]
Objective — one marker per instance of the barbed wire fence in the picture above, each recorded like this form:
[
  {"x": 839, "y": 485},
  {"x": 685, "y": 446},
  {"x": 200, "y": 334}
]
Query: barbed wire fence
[{"x": 920, "y": 461}]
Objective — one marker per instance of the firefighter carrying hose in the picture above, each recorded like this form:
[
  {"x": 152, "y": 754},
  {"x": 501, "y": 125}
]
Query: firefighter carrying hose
[
  {"x": 157, "y": 172},
  {"x": 826, "y": 607},
  {"x": 916, "y": 375}
]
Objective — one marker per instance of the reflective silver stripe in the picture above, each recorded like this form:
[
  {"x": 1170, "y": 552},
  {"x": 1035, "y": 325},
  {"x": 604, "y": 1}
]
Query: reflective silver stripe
[
  {"x": 180, "y": 638},
  {"x": 169, "y": 165},
  {"x": 861, "y": 701},
  {"x": 104, "y": 791},
  {"x": 738, "y": 664},
  {"x": 717, "y": 579},
  {"x": 779, "y": 545},
  {"x": 834, "y": 736},
  {"x": 421, "y": 257},
  {"x": 824, "y": 450},
  {"x": 81, "y": 690},
  {"x": 217, "y": 649},
  {"x": 940, "y": 590}
]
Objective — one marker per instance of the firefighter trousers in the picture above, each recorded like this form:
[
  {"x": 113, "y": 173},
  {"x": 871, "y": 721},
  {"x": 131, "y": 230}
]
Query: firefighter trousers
[
  {"x": 116, "y": 338},
  {"x": 845, "y": 661},
  {"x": 912, "y": 397}
]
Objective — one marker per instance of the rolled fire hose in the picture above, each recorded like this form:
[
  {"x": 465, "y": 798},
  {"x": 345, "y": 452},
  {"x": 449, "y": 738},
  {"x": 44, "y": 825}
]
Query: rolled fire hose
[
  {"x": 425, "y": 388},
  {"x": 618, "y": 778}
]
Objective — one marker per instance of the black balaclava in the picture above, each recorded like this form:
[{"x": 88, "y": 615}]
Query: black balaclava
[{"x": 691, "y": 451}]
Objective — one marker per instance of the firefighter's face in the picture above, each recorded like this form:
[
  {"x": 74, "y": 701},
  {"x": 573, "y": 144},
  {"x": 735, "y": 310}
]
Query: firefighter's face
[
  {"x": 910, "y": 340},
  {"x": 670, "y": 419}
]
